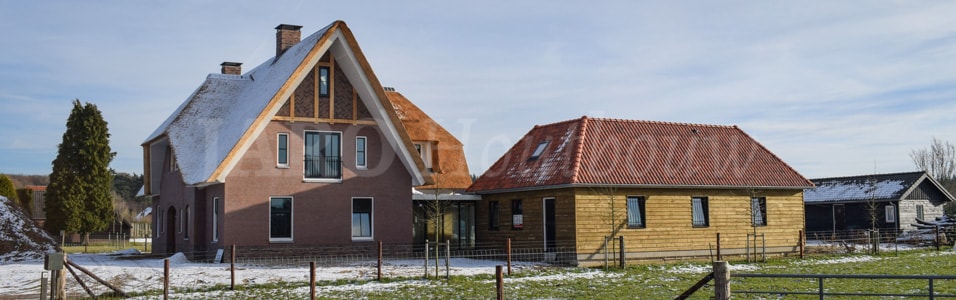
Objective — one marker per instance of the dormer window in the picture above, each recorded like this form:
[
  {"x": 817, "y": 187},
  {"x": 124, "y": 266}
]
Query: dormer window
[
  {"x": 425, "y": 151},
  {"x": 538, "y": 151}
]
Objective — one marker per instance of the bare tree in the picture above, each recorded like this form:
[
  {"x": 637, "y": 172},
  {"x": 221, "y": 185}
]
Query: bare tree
[
  {"x": 436, "y": 207},
  {"x": 939, "y": 160}
]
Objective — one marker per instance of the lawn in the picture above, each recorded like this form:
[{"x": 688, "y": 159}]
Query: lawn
[{"x": 648, "y": 281}]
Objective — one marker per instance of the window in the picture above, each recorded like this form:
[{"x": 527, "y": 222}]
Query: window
[
  {"x": 280, "y": 219},
  {"x": 425, "y": 151},
  {"x": 538, "y": 151},
  {"x": 215, "y": 219},
  {"x": 186, "y": 223},
  {"x": 635, "y": 212},
  {"x": 182, "y": 216},
  {"x": 282, "y": 152},
  {"x": 324, "y": 81},
  {"x": 700, "y": 212},
  {"x": 919, "y": 211},
  {"x": 890, "y": 214},
  {"x": 173, "y": 166},
  {"x": 360, "y": 152},
  {"x": 322, "y": 155},
  {"x": 517, "y": 216},
  {"x": 362, "y": 218},
  {"x": 758, "y": 211},
  {"x": 492, "y": 215}
]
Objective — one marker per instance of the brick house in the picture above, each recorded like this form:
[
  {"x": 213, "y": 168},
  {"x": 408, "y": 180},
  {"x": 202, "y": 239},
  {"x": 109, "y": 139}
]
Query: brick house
[
  {"x": 304, "y": 150},
  {"x": 667, "y": 188},
  {"x": 896, "y": 200}
]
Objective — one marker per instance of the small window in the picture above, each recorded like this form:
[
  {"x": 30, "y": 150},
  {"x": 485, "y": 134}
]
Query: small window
[
  {"x": 635, "y": 212},
  {"x": 700, "y": 212},
  {"x": 280, "y": 219},
  {"x": 517, "y": 214},
  {"x": 324, "y": 81},
  {"x": 282, "y": 153},
  {"x": 758, "y": 211},
  {"x": 360, "y": 152},
  {"x": 539, "y": 150},
  {"x": 173, "y": 166},
  {"x": 182, "y": 217},
  {"x": 215, "y": 219},
  {"x": 492, "y": 215},
  {"x": 890, "y": 214},
  {"x": 186, "y": 223},
  {"x": 919, "y": 212},
  {"x": 361, "y": 218}
]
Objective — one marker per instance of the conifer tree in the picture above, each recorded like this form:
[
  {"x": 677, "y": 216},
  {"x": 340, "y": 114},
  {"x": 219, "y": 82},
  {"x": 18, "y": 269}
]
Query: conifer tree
[
  {"x": 6, "y": 188},
  {"x": 78, "y": 199}
]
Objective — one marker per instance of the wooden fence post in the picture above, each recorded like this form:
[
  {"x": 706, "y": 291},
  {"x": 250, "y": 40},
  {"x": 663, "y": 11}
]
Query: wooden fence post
[
  {"x": 312, "y": 280},
  {"x": 447, "y": 259},
  {"x": 936, "y": 239},
  {"x": 719, "y": 257},
  {"x": 426, "y": 259},
  {"x": 800, "y": 241},
  {"x": 508, "y": 251},
  {"x": 721, "y": 280},
  {"x": 232, "y": 268},
  {"x": 379, "y": 260},
  {"x": 621, "y": 249},
  {"x": 499, "y": 283},
  {"x": 165, "y": 279}
]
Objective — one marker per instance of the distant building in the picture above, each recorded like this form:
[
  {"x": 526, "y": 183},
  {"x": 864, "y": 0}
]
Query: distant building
[
  {"x": 895, "y": 200},
  {"x": 38, "y": 209}
]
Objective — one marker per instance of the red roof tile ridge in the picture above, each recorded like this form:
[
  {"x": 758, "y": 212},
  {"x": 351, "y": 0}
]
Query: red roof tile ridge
[
  {"x": 661, "y": 122},
  {"x": 774, "y": 155},
  {"x": 562, "y": 122},
  {"x": 579, "y": 148}
]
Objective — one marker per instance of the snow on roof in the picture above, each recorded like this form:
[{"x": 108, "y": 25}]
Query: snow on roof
[
  {"x": 879, "y": 187},
  {"x": 206, "y": 127}
]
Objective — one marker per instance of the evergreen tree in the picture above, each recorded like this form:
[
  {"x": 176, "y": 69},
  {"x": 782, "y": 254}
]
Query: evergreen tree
[
  {"x": 78, "y": 199},
  {"x": 6, "y": 188},
  {"x": 26, "y": 200}
]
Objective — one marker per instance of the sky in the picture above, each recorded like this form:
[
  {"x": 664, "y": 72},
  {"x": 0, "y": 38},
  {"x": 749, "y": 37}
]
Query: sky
[{"x": 833, "y": 88}]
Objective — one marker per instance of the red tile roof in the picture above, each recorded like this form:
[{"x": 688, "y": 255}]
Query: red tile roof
[{"x": 589, "y": 151}]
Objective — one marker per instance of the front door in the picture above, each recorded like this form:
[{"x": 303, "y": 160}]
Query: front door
[{"x": 549, "y": 226}]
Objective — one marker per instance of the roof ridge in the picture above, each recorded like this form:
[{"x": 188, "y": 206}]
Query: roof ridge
[
  {"x": 867, "y": 175},
  {"x": 663, "y": 122},
  {"x": 774, "y": 155},
  {"x": 578, "y": 148}
]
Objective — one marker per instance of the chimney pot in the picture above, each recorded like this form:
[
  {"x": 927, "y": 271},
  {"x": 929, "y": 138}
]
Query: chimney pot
[
  {"x": 286, "y": 37},
  {"x": 231, "y": 68}
]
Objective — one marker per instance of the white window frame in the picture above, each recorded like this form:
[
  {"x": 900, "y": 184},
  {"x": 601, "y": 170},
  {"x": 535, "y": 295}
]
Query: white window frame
[
  {"x": 424, "y": 149},
  {"x": 304, "y": 146},
  {"x": 364, "y": 153},
  {"x": 890, "y": 213},
  {"x": 920, "y": 212},
  {"x": 279, "y": 145},
  {"x": 371, "y": 220},
  {"x": 215, "y": 219},
  {"x": 291, "y": 220}
]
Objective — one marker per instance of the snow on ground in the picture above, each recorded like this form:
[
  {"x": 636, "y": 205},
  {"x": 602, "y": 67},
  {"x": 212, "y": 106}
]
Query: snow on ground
[{"x": 137, "y": 274}]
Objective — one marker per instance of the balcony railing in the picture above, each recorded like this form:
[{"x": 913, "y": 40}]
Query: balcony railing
[{"x": 323, "y": 167}]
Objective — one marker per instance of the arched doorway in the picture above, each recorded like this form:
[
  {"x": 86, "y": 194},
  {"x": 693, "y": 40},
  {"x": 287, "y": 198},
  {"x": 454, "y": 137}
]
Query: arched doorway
[{"x": 171, "y": 230}]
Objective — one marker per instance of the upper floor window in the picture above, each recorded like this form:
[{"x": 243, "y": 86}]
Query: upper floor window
[
  {"x": 635, "y": 212},
  {"x": 282, "y": 151},
  {"x": 700, "y": 212},
  {"x": 360, "y": 152},
  {"x": 758, "y": 210},
  {"x": 324, "y": 81},
  {"x": 173, "y": 166},
  {"x": 538, "y": 150},
  {"x": 323, "y": 154},
  {"x": 425, "y": 151}
]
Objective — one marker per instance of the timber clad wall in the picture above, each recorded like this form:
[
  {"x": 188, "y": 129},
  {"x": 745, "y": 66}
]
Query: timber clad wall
[{"x": 584, "y": 217}]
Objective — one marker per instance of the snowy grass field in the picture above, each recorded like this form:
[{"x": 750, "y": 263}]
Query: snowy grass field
[{"x": 473, "y": 279}]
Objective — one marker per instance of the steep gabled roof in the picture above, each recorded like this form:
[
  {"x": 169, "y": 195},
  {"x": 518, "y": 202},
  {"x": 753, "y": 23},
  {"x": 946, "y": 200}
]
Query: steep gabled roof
[
  {"x": 589, "y": 151},
  {"x": 876, "y": 187},
  {"x": 452, "y": 169},
  {"x": 211, "y": 130}
]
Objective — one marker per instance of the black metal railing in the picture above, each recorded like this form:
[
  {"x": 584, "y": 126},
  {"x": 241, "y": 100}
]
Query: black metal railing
[
  {"x": 821, "y": 291},
  {"x": 317, "y": 166}
]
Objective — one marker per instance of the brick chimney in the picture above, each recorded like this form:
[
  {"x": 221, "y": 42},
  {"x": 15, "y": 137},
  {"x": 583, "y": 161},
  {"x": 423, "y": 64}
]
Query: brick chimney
[
  {"x": 231, "y": 68},
  {"x": 287, "y": 36}
]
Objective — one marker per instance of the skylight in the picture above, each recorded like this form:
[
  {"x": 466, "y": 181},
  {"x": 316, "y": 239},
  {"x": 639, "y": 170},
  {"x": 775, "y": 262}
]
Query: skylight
[{"x": 538, "y": 150}]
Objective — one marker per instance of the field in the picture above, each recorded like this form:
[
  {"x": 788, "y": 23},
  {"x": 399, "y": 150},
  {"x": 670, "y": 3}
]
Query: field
[{"x": 474, "y": 279}]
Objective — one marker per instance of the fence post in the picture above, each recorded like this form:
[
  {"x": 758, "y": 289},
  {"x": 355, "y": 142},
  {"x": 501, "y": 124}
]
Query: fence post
[
  {"x": 312, "y": 280},
  {"x": 379, "y": 260},
  {"x": 165, "y": 279},
  {"x": 232, "y": 268},
  {"x": 426, "y": 259},
  {"x": 800, "y": 242},
  {"x": 447, "y": 259},
  {"x": 721, "y": 280},
  {"x": 508, "y": 251},
  {"x": 718, "y": 247},
  {"x": 621, "y": 249},
  {"x": 499, "y": 283},
  {"x": 936, "y": 239}
]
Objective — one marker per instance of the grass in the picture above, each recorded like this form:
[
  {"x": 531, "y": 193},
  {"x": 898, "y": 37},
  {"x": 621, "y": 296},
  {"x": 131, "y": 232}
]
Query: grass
[{"x": 649, "y": 281}]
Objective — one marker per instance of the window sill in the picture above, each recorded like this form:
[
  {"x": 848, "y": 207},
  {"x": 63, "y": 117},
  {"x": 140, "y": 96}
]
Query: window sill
[
  {"x": 700, "y": 226},
  {"x": 323, "y": 180},
  {"x": 280, "y": 241},
  {"x": 636, "y": 227},
  {"x": 282, "y": 166},
  {"x": 363, "y": 239},
  {"x": 361, "y": 167}
]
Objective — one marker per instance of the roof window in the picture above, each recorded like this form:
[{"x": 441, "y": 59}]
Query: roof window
[{"x": 538, "y": 151}]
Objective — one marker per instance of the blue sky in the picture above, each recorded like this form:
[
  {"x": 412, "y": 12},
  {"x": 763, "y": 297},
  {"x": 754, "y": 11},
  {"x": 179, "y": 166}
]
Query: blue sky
[{"x": 832, "y": 87}]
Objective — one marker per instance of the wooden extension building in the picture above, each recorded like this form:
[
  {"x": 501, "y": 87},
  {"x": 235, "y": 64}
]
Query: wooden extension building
[{"x": 667, "y": 188}]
